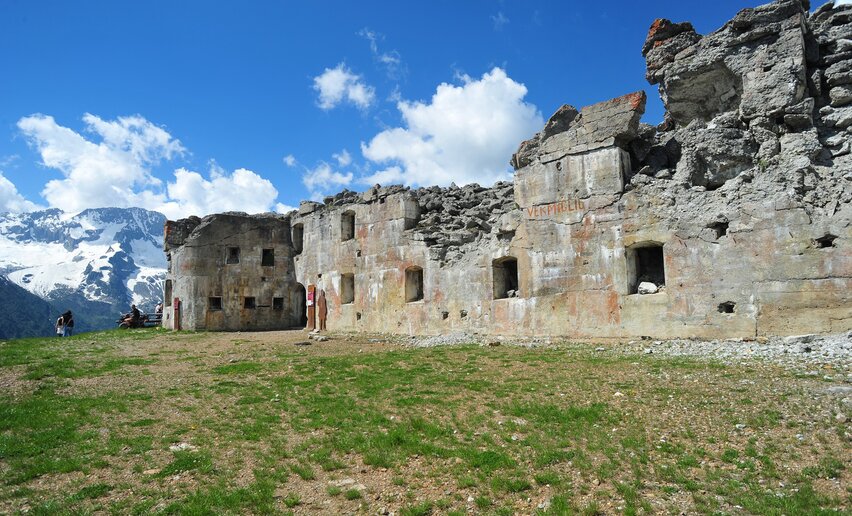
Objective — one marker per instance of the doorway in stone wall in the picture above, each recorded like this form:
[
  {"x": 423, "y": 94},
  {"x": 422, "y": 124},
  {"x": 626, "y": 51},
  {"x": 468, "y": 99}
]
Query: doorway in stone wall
[{"x": 300, "y": 305}]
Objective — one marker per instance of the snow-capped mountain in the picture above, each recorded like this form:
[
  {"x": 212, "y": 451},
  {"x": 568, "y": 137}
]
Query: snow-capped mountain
[{"x": 100, "y": 260}]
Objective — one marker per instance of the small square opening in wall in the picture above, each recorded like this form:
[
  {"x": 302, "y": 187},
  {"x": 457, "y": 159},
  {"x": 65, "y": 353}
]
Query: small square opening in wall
[
  {"x": 278, "y": 303},
  {"x": 347, "y": 289},
  {"x": 646, "y": 264},
  {"x": 214, "y": 303},
  {"x": 249, "y": 303},
  {"x": 727, "y": 307},
  {"x": 719, "y": 228},
  {"x": 267, "y": 258},
  {"x": 233, "y": 255},
  {"x": 825, "y": 242}
]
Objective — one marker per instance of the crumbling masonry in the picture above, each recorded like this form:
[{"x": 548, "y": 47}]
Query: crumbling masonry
[{"x": 730, "y": 219}]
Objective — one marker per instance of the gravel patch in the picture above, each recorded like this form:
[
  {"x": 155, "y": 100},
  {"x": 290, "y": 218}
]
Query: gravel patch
[{"x": 808, "y": 354}]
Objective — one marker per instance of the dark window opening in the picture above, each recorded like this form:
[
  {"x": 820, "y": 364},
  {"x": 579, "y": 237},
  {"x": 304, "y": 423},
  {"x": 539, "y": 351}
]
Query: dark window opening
[
  {"x": 347, "y": 225},
  {"x": 278, "y": 303},
  {"x": 727, "y": 307},
  {"x": 357, "y": 316},
  {"x": 233, "y": 255},
  {"x": 445, "y": 315},
  {"x": 413, "y": 284},
  {"x": 214, "y": 303},
  {"x": 267, "y": 258},
  {"x": 298, "y": 238},
  {"x": 645, "y": 264},
  {"x": 720, "y": 228},
  {"x": 347, "y": 289},
  {"x": 249, "y": 303},
  {"x": 168, "y": 293},
  {"x": 825, "y": 241},
  {"x": 505, "y": 272}
]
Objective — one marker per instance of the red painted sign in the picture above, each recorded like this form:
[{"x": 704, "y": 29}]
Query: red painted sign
[{"x": 555, "y": 208}]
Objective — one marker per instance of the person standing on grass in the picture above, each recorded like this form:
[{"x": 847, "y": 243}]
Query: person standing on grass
[
  {"x": 322, "y": 309},
  {"x": 67, "y": 324}
]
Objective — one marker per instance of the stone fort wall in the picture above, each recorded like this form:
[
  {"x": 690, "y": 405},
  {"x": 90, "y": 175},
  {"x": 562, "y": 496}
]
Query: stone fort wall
[{"x": 730, "y": 219}]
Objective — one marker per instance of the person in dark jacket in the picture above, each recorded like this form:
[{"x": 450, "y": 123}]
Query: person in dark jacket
[{"x": 67, "y": 320}]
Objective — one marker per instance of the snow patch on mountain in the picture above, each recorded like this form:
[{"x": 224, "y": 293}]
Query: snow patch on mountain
[{"x": 112, "y": 255}]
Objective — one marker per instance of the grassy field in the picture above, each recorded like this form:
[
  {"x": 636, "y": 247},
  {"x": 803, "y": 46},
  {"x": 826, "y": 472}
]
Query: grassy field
[{"x": 146, "y": 421}]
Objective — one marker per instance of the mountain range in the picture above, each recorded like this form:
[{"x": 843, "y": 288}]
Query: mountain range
[{"x": 95, "y": 263}]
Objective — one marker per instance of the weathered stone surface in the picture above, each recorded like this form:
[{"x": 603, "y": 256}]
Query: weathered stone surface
[
  {"x": 840, "y": 118},
  {"x": 614, "y": 122},
  {"x": 841, "y": 95},
  {"x": 306, "y": 207},
  {"x": 559, "y": 122},
  {"x": 664, "y": 42},
  {"x": 724, "y": 69},
  {"x": 715, "y": 155}
]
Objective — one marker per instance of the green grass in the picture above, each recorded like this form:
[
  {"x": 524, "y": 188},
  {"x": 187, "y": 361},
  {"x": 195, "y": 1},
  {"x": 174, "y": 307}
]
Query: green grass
[{"x": 501, "y": 425}]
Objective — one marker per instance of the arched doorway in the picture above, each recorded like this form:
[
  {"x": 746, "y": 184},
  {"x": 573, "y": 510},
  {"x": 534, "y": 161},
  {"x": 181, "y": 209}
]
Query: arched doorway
[{"x": 300, "y": 305}]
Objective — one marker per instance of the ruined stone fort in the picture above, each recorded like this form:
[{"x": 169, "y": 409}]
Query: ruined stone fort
[{"x": 730, "y": 219}]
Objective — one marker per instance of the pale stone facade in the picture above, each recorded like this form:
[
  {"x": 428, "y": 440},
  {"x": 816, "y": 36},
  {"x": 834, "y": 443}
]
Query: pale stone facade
[{"x": 735, "y": 213}]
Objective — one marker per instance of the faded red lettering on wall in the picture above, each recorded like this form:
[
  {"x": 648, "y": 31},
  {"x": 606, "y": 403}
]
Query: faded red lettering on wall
[{"x": 555, "y": 208}]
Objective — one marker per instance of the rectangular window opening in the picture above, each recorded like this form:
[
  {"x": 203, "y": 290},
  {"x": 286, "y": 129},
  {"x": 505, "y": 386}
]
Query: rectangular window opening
[
  {"x": 347, "y": 289},
  {"x": 278, "y": 303},
  {"x": 413, "y": 284},
  {"x": 646, "y": 268},
  {"x": 214, "y": 303},
  {"x": 249, "y": 303},
  {"x": 298, "y": 238},
  {"x": 233, "y": 255},
  {"x": 267, "y": 258},
  {"x": 505, "y": 272},
  {"x": 347, "y": 226}
]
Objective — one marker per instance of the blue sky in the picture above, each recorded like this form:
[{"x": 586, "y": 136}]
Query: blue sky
[{"x": 195, "y": 107}]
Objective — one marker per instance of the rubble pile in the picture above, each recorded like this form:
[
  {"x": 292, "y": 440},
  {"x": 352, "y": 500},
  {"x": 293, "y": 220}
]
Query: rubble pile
[{"x": 452, "y": 217}]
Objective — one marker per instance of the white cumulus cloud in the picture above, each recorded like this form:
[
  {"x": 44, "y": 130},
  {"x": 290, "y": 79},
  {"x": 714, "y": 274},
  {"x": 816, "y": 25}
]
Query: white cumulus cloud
[
  {"x": 11, "y": 200},
  {"x": 192, "y": 194},
  {"x": 339, "y": 84},
  {"x": 113, "y": 172},
  {"x": 117, "y": 170},
  {"x": 289, "y": 160},
  {"x": 323, "y": 179},
  {"x": 466, "y": 134}
]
